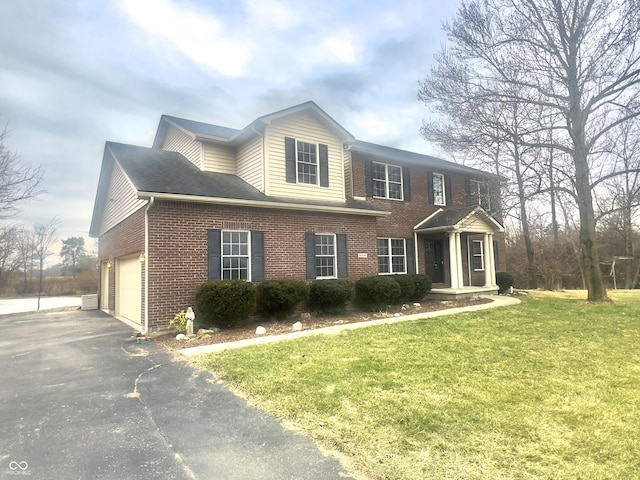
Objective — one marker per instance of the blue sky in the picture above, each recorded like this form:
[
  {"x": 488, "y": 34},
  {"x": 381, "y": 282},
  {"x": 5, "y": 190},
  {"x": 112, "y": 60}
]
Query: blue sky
[{"x": 76, "y": 73}]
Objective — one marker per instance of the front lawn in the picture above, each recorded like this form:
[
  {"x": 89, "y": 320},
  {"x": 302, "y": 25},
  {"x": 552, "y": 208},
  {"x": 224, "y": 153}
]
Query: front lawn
[{"x": 549, "y": 389}]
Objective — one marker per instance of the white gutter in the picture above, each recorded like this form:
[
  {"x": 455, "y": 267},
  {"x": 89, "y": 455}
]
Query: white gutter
[
  {"x": 261, "y": 204},
  {"x": 146, "y": 265}
]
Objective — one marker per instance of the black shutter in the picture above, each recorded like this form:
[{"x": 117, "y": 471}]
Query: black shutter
[
  {"x": 430, "y": 187},
  {"x": 343, "y": 267},
  {"x": 214, "y": 245},
  {"x": 495, "y": 255},
  {"x": 406, "y": 183},
  {"x": 410, "y": 255},
  {"x": 447, "y": 190},
  {"x": 324, "y": 165},
  {"x": 368, "y": 177},
  {"x": 257, "y": 256},
  {"x": 290, "y": 159},
  {"x": 310, "y": 254}
]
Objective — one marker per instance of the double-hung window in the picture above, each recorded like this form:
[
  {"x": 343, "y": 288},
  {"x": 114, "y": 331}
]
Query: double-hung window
[
  {"x": 480, "y": 194},
  {"x": 325, "y": 256},
  {"x": 387, "y": 181},
  {"x": 477, "y": 255},
  {"x": 392, "y": 255},
  {"x": 438, "y": 185},
  {"x": 235, "y": 255},
  {"x": 307, "y": 162}
]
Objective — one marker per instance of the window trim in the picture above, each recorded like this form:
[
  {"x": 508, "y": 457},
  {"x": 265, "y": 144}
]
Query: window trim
[
  {"x": 387, "y": 181},
  {"x": 334, "y": 256},
  {"x": 444, "y": 189},
  {"x": 390, "y": 256},
  {"x": 474, "y": 255},
  {"x": 317, "y": 163},
  {"x": 223, "y": 256}
]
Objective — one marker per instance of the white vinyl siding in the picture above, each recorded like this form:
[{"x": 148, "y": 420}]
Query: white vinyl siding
[
  {"x": 178, "y": 141},
  {"x": 218, "y": 159},
  {"x": 250, "y": 162},
  {"x": 306, "y": 128},
  {"x": 121, "y": 200}
]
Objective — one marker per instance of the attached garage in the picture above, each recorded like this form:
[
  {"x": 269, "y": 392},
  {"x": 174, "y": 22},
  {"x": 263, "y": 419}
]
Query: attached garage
[{"x": 129, "y": 289}]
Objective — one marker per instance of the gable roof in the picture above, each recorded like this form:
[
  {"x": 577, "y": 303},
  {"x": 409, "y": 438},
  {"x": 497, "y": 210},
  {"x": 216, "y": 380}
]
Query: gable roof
[
  {"x": 168, "y": 175},
  {"x": 451, "y": 220},
  {"x": 216, "y": 133}
]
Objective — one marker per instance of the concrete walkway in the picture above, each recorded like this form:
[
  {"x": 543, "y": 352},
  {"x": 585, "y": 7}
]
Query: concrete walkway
[{"x": 497, "y": 301}]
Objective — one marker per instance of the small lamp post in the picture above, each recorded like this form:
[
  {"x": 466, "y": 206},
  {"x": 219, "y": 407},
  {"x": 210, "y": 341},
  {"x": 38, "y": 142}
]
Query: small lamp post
[{"x": 190, "y": 316}]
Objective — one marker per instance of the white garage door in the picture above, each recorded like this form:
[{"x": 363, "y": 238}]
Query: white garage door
[{"x": 129, "y": 289}]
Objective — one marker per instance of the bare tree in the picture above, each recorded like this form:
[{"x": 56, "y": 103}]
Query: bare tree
[
  {"x": 576, "y": 60},
  {"x": 44, "y": 237},
  {"x": 18, "y": 182}
]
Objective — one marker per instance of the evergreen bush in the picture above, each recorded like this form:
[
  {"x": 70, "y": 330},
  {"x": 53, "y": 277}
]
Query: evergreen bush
[
  {"x": 377, "y": 292},
  {"x": 225, "y": 303},
  {"x": 504, "y": 281},
  {"x": 330, "y": 296},
  {"x": 278, "y": 298},
  {"x": 422, "y": 285}
]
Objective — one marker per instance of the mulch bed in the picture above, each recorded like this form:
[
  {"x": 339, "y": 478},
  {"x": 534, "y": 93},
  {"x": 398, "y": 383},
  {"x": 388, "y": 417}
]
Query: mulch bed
[{"x": 169, "y": 342}]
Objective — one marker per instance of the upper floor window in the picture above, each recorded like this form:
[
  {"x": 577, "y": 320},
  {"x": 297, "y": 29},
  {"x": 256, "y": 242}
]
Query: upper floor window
[
  {"x": 479, "y": 194},
  {"x": 387, "y": 181},
  {"x": 391, "y": 255},
  {"x": 477, "y": 255},
  {"x": 235, "y": 255},
  {"x": 307, "y": 162},
  {"x": 438, "y": 186}
]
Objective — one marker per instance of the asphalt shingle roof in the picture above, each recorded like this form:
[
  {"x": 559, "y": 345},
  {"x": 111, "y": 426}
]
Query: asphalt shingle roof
[{"x": 161, "y": 171}]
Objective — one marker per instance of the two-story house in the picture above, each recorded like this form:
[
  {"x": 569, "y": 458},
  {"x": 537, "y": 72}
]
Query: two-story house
[{"x": 292, "y": 195}]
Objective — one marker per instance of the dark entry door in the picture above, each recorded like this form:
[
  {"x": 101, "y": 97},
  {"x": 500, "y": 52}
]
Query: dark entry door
[{"x": 434, "y": 260}]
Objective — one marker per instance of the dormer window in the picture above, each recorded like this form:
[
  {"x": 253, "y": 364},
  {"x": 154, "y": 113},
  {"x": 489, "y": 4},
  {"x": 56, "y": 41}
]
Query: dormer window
[
  {"x": 387, "y": 181},
  {"x": 307, "y": 162}
]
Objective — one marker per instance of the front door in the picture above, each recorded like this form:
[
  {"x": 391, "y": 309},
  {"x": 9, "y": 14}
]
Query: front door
[{"x": 434, "y": 261}]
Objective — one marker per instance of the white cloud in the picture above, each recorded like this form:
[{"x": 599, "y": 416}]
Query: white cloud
[
  {"x": 270, "y": 14},
  {"x": 342, "y": 46},
  {"x": 194, "y": 32}
]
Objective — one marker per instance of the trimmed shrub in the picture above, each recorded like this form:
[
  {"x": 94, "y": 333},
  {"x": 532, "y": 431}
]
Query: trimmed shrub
[
  {"x": 225, "y": 303},
  {"x": 504, "y": 281},
  {"x": 422, "y": 284},
  {"x": 278, "y": 298},
  {"x": 377, "y": 292},
  {"x": 330, "y": 296},
  {"x": 407, "y": 285}
]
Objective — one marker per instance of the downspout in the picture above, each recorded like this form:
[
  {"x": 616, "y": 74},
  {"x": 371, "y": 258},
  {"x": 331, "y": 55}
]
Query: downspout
[{"x": 146, "y": 265}]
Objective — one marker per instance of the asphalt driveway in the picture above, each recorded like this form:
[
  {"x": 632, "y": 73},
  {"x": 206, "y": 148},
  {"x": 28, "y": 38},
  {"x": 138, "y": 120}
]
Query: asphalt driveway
[{"x": 81, "y": 400}]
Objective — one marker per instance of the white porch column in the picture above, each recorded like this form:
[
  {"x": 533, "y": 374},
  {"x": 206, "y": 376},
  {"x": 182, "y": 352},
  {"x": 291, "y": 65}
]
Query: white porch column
[
  {"x": 454, "y": 254},
  {"x": 487, "y": 261},
  {"x": 492, "y": 259},
  {"x": 459, "y": 255}
]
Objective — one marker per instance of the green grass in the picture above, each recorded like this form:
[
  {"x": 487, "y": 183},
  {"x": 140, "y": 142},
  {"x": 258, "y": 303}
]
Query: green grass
[{"x": 549, "y": 389}]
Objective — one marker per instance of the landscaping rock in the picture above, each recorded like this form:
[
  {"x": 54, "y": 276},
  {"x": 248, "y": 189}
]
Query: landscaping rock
[
  {"x": 296, "y": 327},
  {"x": 181, "y": 336},
  {"x": 305, "y": 316},
  {"x": 261, "y": 330},
  {"x": 205, "y": 331}
]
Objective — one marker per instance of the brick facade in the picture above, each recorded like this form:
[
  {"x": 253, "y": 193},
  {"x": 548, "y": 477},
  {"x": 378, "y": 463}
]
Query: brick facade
[{"x": 177, "y": 258}]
